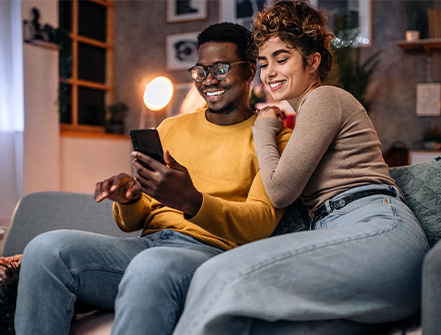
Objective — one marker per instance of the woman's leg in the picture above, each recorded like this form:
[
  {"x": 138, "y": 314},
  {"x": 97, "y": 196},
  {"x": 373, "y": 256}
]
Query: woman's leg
[
  {"x": 153, "y": 290},
  {"x": 364, "y": 267},
  {"x": 59, "y": 267}
]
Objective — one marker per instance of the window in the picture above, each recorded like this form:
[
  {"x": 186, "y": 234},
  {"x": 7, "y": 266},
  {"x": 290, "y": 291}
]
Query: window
[{"x": 86, "y": 51}]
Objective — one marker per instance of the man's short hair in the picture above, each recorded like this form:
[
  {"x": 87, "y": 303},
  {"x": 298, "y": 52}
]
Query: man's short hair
[{"x": 227, "y": 32}]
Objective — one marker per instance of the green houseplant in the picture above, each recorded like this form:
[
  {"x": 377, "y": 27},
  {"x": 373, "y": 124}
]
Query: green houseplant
[
  {"x": 415, "y": 16},
  {"x": 115, "y": 117}
]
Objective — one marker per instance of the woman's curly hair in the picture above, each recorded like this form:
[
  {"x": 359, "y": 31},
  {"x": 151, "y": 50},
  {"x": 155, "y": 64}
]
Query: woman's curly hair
[{"x": 299, "y": 25}]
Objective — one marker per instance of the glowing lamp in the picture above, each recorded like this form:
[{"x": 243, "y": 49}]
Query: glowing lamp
[{"x": 157, "y": 95}]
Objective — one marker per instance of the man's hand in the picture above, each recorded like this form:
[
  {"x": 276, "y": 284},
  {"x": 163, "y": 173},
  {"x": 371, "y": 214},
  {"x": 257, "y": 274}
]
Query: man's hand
[
  {"x": 170, "y": 184},
  {"x": 121, "y": 188}
]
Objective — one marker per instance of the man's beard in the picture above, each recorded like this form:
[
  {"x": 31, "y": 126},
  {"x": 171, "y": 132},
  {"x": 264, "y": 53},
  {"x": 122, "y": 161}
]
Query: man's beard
[{"x": 228, "y": 108}]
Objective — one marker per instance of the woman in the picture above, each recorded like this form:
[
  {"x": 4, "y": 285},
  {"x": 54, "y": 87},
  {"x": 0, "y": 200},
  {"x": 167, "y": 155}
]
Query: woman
[{"x": 359, "y": 265}]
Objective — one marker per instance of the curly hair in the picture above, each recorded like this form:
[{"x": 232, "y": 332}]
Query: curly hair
[
  {"x": 227, "y": 32},
  {"x": 301, "y": 26}
]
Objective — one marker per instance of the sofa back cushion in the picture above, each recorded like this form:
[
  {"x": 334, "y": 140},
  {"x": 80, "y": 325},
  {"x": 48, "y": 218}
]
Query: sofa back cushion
[{"x": 421, "y": 185}]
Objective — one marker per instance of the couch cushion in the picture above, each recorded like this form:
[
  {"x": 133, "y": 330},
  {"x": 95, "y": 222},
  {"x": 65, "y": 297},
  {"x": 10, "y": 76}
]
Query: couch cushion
[{"x": 421, "y": 184}]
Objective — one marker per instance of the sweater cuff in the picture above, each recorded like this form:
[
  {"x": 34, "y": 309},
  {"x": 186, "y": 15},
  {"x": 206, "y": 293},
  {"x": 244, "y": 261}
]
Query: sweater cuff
[{"x": 209, "y": 206}]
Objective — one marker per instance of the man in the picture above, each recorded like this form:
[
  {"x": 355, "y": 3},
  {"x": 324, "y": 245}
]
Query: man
[{"x": 188, "y": 213}]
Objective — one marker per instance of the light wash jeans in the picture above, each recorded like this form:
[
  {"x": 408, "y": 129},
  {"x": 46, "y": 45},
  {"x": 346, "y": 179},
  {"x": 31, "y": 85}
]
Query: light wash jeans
[
  {"x": 360, "y": 267},
  {"x": 144, "y": 279}
]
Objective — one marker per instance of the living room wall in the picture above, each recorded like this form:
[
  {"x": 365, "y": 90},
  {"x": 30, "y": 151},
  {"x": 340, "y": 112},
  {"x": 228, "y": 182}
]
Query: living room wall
[{"x": 141, "y": 30}]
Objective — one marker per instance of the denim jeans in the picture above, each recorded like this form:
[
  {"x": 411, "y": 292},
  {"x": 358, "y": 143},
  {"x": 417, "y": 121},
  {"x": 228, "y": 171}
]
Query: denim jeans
[
  {"x": 360, "y": 267},
  {"x": 144, "y": 279}
]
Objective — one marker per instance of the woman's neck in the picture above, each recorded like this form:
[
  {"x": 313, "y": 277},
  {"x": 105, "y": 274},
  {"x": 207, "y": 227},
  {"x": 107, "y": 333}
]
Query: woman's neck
[{"x": 297, "y": 102}]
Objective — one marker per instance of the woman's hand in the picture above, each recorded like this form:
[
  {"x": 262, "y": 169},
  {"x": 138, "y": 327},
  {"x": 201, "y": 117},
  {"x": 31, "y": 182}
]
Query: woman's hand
[{"x": 270, "y": 112}]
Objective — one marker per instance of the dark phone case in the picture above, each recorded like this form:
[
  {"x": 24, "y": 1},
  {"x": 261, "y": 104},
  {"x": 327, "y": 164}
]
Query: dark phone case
[{"x": 147, "y": 142}]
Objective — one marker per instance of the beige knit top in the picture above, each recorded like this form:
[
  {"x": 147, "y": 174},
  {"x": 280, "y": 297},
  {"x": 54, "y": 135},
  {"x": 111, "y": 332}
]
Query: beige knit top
[{"x": 334, "y": 147}]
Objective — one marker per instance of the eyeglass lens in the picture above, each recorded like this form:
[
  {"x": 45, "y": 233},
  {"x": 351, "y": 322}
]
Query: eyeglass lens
[{"x": 218, "y": 70}]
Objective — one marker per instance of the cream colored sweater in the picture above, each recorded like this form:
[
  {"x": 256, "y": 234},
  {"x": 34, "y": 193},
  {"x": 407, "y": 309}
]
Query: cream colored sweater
[
  {"x": 334, "y": 147},
  {"x": 223, "y": 166}
]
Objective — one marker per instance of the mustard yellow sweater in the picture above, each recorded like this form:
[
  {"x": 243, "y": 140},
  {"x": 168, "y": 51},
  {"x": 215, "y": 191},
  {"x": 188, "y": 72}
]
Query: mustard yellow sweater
[{"x": 223, "y": 165}]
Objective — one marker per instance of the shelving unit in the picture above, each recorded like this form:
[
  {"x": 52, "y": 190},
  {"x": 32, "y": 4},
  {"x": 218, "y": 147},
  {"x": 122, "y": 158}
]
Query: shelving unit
[
  {"x": 428, "y": 45},
  {"x": 43, "y": 44}
]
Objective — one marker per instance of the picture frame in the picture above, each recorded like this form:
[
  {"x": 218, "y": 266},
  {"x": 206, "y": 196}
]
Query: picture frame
[
  {"x": 186, "y": 10},
  {"x": 242, "y": 12},
  {"x": 181, "y": 51}
]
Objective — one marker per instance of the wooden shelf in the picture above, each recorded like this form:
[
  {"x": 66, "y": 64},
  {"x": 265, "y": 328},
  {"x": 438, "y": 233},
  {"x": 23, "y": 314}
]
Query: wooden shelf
[
  {"x": 428, "y": 45},
  {"x": 43, "y": 44}
]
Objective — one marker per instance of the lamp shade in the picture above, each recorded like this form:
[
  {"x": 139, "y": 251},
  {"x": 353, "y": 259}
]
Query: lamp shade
[{"x": 158, "y": 93}]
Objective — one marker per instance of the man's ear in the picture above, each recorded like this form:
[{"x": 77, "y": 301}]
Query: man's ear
[{"x": 251, "y": 71}]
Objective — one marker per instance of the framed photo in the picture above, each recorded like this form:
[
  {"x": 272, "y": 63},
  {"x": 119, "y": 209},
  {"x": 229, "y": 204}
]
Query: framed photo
[
  {"x": 186, "y": 99},
  {"x": 186, "y": 10},
  {"x": 181, "y": 51},
  {"x": 242, "y": 12}
]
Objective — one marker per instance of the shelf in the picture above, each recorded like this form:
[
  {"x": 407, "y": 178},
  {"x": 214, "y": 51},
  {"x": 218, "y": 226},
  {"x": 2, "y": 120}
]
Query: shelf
[
  {"x": 43, "y": 44},
  {"x": 428, "y": 45}
]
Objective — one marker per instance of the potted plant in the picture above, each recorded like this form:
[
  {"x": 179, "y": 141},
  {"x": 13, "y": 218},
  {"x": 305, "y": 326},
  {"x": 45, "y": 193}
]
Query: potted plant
[
  {"x": 415, "y": 18},
  {"x": 115, "y": 117}
]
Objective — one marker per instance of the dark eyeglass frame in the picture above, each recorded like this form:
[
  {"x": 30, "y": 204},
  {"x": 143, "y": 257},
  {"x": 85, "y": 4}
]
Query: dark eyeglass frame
[{"x": 207, "y": 69}]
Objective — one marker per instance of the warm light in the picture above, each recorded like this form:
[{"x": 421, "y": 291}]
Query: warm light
[{"x": 158, "y": 93}]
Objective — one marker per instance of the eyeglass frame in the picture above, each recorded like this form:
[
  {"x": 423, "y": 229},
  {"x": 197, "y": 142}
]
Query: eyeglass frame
[{"x": 207, "y": 69}]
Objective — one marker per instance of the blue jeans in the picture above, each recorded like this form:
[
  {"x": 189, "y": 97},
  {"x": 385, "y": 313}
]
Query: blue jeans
[
  {"x": 144, "y": 279},
  {"x": 360, "y": 267}
]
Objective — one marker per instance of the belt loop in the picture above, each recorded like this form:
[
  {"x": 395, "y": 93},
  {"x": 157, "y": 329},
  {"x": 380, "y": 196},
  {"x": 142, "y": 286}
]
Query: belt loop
[{"x": 327, "y": 205}]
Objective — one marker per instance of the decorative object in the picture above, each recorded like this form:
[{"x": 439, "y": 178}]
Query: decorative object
[
  {"x": 181, "y": 51},
  {"x": 432, "y": 139},
  {"x": 34, "y": 32},
  {"x": 415, "y": 18},
  {"x": 157, "y": 95},
  {"x": 357, "y": 14},
  {"x": 116, "y": 115},
  {"x": 240, "y": 11},
  {"x": 350, "y": 72},
  {"x": 186, "y": 10},
  {"x": 434, "y": 18},
  {"x": 428, "y": 102}
]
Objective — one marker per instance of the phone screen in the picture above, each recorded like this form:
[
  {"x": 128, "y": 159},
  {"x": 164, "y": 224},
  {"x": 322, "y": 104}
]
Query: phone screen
[{"x": 147, "y": 142}]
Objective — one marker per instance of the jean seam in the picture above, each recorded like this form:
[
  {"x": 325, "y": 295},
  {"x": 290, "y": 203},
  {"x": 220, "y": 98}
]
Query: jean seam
[
  {"x": 271, "y": 261},
  {"x": 174, "y": 294}
]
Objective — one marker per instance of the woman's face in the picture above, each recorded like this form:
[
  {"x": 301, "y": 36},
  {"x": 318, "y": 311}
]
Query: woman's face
[{"x": 283, "y": 71}]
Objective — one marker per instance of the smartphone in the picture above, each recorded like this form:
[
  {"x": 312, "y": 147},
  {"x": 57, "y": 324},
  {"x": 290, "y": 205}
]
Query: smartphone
[{"x": 147, "y": 142}]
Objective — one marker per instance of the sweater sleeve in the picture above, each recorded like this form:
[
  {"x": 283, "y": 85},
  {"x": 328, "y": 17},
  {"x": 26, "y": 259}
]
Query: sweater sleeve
[
  {"x": 317, "y": 124},
  {"x": 130, "y": 218},
  {"x": 243, "y": 222}
]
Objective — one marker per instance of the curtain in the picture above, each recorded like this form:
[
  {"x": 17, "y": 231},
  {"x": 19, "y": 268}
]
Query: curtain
[{"x": 11, "y": 107}]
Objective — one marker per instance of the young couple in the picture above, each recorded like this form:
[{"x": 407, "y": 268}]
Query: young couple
[{"x": 358, "y": 265}]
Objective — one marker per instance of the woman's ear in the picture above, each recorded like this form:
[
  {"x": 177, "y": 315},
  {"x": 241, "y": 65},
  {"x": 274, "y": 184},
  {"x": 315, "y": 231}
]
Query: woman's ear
[{"x": 314, "y": 61}]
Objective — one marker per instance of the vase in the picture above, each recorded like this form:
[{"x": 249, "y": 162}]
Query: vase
[{"x": 412, "y": 35}]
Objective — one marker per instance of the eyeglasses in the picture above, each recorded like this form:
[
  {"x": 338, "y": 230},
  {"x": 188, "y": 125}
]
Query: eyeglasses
[{"x": 218, "y": 70}]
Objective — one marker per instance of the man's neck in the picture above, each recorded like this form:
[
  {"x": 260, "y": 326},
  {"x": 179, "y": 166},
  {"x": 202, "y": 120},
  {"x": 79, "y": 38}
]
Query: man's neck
[{"x": 227, "y": 119}]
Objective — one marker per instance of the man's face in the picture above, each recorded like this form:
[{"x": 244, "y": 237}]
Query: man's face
[{"x": 223, "y": 96}]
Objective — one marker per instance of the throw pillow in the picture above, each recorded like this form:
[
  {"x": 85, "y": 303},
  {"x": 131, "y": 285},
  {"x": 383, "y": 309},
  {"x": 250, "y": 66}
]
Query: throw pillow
[
  {"x": 9, "y": 272},
  {"x": 421, "y": 184}
]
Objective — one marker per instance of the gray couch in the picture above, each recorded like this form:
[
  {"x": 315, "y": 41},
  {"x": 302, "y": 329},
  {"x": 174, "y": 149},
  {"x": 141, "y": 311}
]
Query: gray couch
[{"x": 40, "y": 212}]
